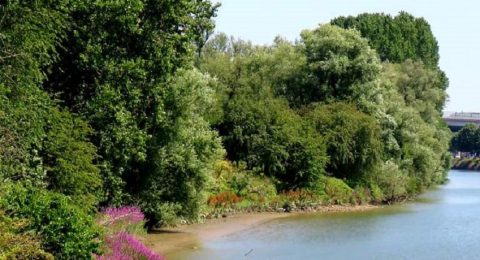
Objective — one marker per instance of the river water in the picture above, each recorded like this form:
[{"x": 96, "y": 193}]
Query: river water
[{"x": 444, "y": 223}]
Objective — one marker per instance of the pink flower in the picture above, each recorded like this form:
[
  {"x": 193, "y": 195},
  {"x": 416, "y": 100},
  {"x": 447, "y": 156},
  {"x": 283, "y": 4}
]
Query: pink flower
[
  {"x": 124, "y": 246},
  {"x": 119, "y": 244},
  {"x": 129, "y": 214}
]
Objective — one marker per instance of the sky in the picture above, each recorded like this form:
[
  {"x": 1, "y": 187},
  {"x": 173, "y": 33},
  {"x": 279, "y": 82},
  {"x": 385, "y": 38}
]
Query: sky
[{"x": 455, "y": 24}]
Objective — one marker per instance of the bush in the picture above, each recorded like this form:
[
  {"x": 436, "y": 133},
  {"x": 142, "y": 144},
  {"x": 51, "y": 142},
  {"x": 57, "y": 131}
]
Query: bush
[
  {"x": 16, "y": 243},
  {"x": 376, "y": 193},
  {"x": 224, "y": 199},
  {"x": 338, "y": 192},
  {"x": 66, "y": 231},
  {"x": 352, "y": 139},
  {"x": 271, "y": 138},
  {"x": 361, "y": 195},
  {"x": 296, "y": 198},
  {"x": 234, "y": 186},
  {"x": 392, "y": 182}
]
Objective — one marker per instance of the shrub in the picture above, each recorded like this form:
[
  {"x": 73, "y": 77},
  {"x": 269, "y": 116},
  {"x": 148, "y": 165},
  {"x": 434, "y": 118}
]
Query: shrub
[
  {"x": 65, "y": 230},
  {"x": 352, "y": 138},
  {"x": 224, "y": 199},
  {"x": 15, "y": 243},
  {"x": 338, "y": 192},
  {"x": 270, "y": 137},
  {"x": 376, "y": 193},
  {"x": 361, "y": 195},
  {"x": 297, "y": 198},
  {"x": 249, "y": 187},
  {"x": 392, "y": 181}
]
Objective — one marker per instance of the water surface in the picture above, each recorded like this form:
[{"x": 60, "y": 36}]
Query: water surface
[{"x": 442, "y": 224}]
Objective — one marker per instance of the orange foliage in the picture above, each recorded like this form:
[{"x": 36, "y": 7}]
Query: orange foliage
[{"x": 223, "y": 199}]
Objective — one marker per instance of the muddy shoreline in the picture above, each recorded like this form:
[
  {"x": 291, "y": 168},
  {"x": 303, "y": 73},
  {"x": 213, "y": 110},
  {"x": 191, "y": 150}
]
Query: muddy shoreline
[{"x": 169, "y": 241}]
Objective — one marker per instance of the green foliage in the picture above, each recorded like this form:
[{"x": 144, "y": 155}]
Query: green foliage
[
  {"x": 68, "y": 159},
  {"x": 391, "y": 181},
  {"x": 99, "y": 103},
  {"x": 47, "y": 147},
  {"x": 244, "y": 184},
  {"x": 338, "y": 192},
  {"x": 66, "y": 230},
  {"x": 381, "y": 123},
  {"x": 340, "y": 63},
  {"x": 271, "y": 138},
  {"x": 352, "y": 138},
  {"x": 419, "y": 87},
  {"x": 16, "y": 243},
  {"x": 467, "y": 139},
  {"x": 396, "y": 39},
  {"x": 185, "y": 148},
  {"x": 41, "y": 144},
  {"x": 259, "y": 128},
  {"x": 118, "y": 68},
  {"x": 413, "y": 100},
  {"x": 28, "y": 32},
  {"x": 376, "y": 193}
]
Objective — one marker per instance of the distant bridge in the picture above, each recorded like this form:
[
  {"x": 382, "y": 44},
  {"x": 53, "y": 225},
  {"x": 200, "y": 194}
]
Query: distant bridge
[{"x": 456, "y": 120}]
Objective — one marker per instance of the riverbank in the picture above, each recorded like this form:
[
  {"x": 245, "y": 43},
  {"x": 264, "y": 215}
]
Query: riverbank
[
  {"x": 169, "y": 241},
  {"x": 472, "y": 164}
]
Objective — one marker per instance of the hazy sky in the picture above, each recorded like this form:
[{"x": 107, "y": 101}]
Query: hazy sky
[{"x": 454, "y": 23}]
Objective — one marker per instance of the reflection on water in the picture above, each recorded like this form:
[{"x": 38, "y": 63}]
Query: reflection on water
[{"x": 443, "y": 224}]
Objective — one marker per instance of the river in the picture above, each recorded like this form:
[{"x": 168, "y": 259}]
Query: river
[{"x": 443, "y": 223}]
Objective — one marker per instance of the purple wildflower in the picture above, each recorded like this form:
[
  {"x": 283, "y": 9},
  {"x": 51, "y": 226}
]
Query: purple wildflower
[
  {"x": 128, "y": 214},
  {"x": 124, "y": 246}
]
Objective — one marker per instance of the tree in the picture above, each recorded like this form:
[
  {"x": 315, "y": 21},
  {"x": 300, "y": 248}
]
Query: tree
[
  {"x": 411, "y": 97},
  {"x": 396, "y": 39},
  {"x": 259, "y": 128},
  {"x": 116, "y": 61},
  {"x": 272, "y": 139},
  {"x": 184, "y": 150},
  {"x": 419, "y": 86},
  {"x": 352, "y": 139},
  {"x": 41, "y": 144},
  {"x": 46, "y": 160},
  {"x": 467, "y": 139},
  {"x": 340, "y": 65}
]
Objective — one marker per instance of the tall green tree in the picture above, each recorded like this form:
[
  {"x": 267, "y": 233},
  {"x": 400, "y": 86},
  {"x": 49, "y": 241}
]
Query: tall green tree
[
  {"x": 352, "y": 138},
  {"x": 339, "y": 66},
  {"x": 47, "y": 164},
  {"x": 115, "y": 63},
  {"x": 41, "y": 143},
  {"x": 396, "y": 39}
]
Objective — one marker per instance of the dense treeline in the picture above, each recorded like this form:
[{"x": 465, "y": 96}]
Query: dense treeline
[
  {"x": 379, "y": 123},
  {"x": 467, "y": 139},
  {"x": 111, "y": 103}
]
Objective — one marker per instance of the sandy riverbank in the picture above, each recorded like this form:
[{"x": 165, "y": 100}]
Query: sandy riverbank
[{"x": 187, "y": 237}]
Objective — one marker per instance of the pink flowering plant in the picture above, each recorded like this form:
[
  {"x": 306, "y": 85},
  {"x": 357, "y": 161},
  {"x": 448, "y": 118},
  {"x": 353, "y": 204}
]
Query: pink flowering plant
[
  {"x": 124, "y": 246},
  {"x": 121, "y": 225},
  {"x": 127, "y": 218}
]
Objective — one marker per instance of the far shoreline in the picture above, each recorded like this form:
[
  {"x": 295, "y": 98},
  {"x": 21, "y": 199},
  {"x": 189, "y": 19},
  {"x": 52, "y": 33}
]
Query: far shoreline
[{"x": 170, "y": 241}]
